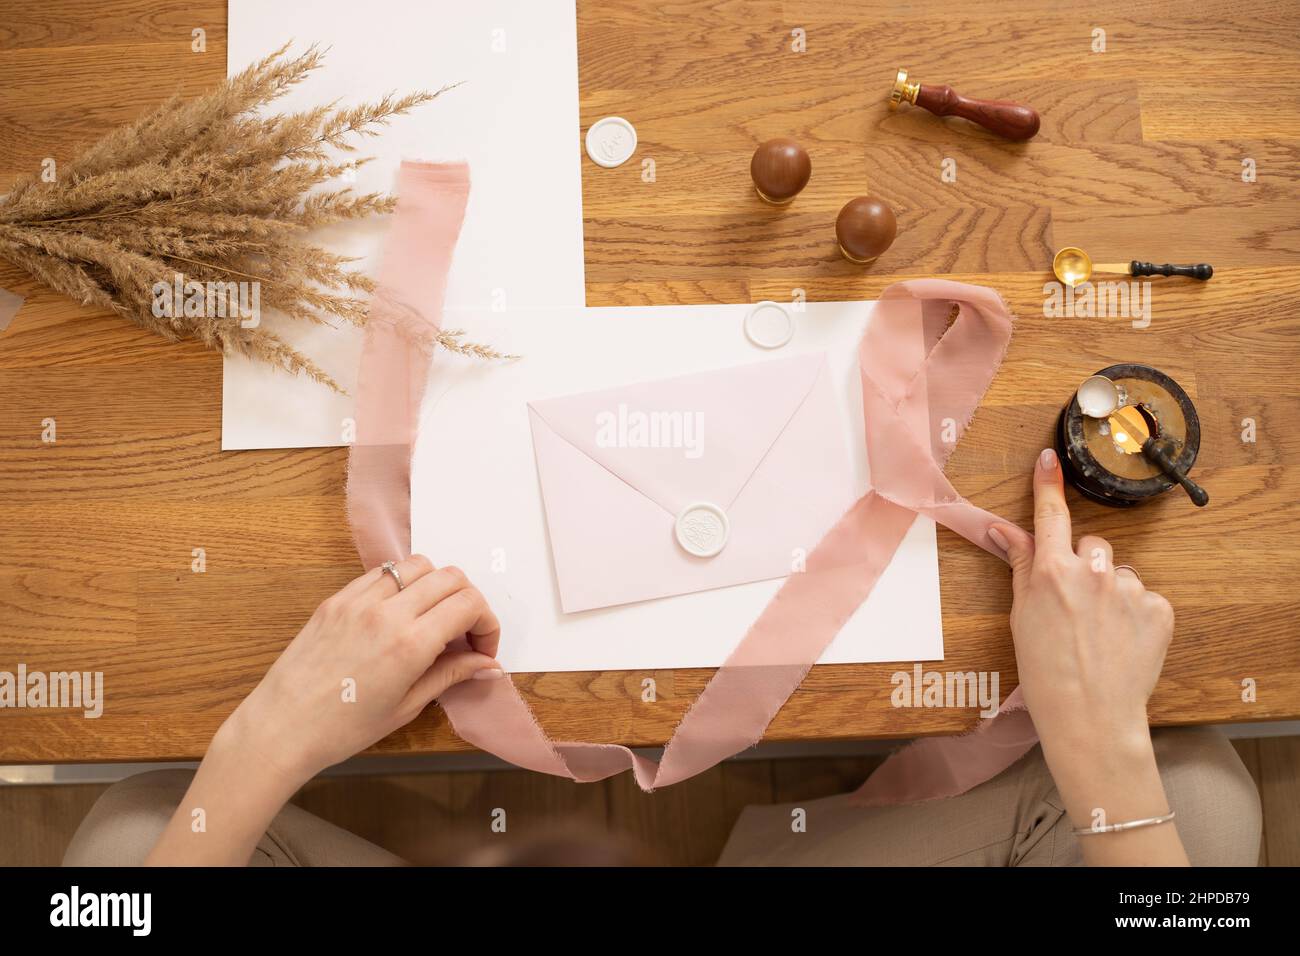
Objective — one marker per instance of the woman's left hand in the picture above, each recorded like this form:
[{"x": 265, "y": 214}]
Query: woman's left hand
[{"x": 368, "y": 662}]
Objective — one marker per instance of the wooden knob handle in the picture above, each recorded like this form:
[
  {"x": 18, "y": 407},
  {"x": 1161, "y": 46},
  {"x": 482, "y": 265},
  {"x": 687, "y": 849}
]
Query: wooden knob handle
[
  {"x": 865, "y": 228},
  {"x": 780, "y": 168},
  {"x": 1004, "y": 118}
]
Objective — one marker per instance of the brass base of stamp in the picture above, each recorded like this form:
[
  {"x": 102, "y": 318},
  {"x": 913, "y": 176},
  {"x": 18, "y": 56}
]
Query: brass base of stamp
[
  {"x": 854, "y": 259},
  {"x": 770, "y": 201}
]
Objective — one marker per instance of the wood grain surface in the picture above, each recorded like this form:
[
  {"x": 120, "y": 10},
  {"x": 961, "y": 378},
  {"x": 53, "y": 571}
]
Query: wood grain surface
[{"x": 1140, "y": 156}]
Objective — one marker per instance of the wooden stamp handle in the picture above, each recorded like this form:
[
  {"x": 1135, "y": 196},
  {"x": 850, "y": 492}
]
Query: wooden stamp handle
[
  {"x": 1200, "y": 271},
  {"x": 1003, "y": 117}
]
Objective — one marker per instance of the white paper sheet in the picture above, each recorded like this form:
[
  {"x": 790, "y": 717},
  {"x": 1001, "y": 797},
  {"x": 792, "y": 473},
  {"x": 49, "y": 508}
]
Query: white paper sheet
[
  {"x": 476, "y": 501},
  {"x": 515, "y": 120}
]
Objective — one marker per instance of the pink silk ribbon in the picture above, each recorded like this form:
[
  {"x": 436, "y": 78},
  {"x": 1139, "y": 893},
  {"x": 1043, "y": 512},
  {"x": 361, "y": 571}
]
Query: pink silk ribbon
[
  {"x": 409, "y": 292},
  {"x": 922, "y": 381}
]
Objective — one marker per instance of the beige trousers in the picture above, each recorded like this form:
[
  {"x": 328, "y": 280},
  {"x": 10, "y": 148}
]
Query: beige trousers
[
  {"x": 127, "y": 820},
  {"x": 1013, "y": 820}
]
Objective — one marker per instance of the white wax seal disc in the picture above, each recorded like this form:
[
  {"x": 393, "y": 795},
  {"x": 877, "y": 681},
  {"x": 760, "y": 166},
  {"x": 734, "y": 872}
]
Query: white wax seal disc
[
  {"x": 702, "y": 529},
  {"x": 1097, "y": 396},
  {"x": 769, "y": 325},
  {"x": 611, "y": 141}
]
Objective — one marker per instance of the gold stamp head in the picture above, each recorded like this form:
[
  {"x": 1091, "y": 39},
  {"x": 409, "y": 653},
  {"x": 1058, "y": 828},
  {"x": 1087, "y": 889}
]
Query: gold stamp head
[{"x": 902, "y": 90}]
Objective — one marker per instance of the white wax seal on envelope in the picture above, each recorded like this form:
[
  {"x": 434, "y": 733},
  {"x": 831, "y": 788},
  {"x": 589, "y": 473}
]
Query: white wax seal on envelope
[
  {"x": 702, "y": 529},
  {"x": 611, "y": 141},
  {"x": 769, "y": 325}
]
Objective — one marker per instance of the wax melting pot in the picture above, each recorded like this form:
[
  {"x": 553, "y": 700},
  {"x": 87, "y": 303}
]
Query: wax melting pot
[
  {"x": 1134, "y": 448},
  {"x": 865, "y": 228},
  {"x": 1005, "y": 118},
  {"x": 780, "y": 169}
]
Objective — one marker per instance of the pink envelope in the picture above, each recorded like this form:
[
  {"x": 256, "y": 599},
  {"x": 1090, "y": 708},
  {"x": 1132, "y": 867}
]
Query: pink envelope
[{"x": 759, "y": 449}]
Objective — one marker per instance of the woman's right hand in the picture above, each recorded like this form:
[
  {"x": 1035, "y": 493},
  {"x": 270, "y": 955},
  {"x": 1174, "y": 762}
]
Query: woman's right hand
[
  {"x": 1090, "y": 642},
  {"x": 1090, "y": 639}
]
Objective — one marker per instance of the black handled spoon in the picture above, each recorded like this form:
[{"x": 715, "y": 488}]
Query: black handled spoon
[{"x": 1130, "y": 431}]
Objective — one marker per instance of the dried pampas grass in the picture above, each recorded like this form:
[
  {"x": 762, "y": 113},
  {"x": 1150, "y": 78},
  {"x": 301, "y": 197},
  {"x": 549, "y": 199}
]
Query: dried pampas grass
[{"x": 209, "y": 192}]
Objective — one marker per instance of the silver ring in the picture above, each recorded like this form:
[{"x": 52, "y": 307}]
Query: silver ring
[
  {"x": 1129, "y": 567},
  {"x": 389, "y": 567}
]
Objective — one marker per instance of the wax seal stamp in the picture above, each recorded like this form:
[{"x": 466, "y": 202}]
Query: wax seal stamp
[
  {"x": 780, "y": 168},
  {"x": 769, "y": 325},
  {"x": 1014, "y": 121},
  {"x": 865, "y": 228},
  {"x": 702, "y": 529},
  {"x": 611, "y": 141}
]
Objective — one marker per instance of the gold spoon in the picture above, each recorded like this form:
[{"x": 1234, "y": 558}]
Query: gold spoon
[
  {"x": 1131, "y": 432},
  {"x": 1073, "y": 266}
]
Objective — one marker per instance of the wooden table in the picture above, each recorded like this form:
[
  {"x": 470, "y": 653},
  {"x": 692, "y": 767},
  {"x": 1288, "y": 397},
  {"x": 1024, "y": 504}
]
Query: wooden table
[{"x": 1140, "y": 155}]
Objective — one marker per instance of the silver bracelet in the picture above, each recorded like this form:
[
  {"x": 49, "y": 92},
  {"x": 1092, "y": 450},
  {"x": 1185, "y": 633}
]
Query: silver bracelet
[{"x": 1126, "y": 825}]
